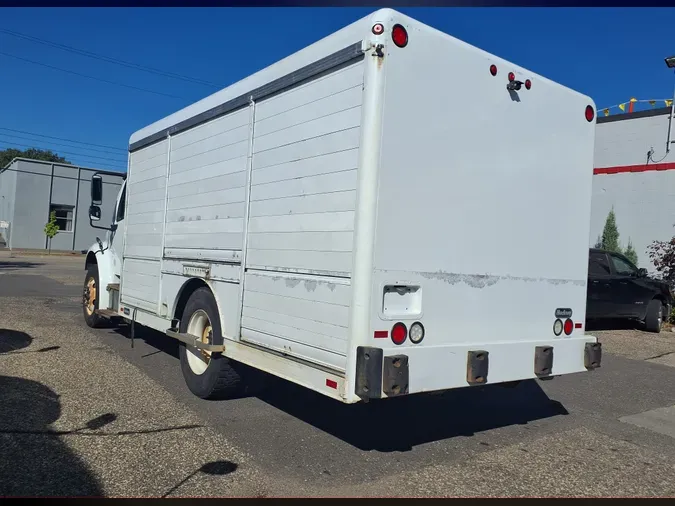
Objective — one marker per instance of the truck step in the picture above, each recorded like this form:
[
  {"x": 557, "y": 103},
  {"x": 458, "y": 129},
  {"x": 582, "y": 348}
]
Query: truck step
[
  {"x": 108, "y": 313},
  {"x": 113, "y": 286}
]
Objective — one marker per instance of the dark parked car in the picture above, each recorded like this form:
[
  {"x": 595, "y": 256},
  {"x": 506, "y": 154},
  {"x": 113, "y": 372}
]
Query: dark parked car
[{"x": 619, "y": 290}]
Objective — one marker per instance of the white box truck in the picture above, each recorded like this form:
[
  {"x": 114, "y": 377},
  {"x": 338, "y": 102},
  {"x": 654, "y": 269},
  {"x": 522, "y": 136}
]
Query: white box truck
[{"x": 386, "y": 212}]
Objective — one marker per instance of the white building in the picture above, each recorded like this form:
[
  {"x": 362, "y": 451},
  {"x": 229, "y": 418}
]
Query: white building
[{"x": 636, "y": 176}]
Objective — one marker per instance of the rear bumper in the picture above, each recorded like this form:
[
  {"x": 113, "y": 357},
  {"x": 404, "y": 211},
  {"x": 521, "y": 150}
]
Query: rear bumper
[{"x": 392, "y": 372}]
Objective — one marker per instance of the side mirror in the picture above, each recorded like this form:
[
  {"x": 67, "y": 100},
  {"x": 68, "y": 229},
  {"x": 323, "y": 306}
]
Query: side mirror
[
  {"x": 642, "y": 272},
  {"x": 96, "y": 190},
  {"x": 94, "y": 213}
]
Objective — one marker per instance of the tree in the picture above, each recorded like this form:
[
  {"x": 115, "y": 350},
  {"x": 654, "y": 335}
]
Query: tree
[
  {"x": 51, "y": 229},
  {"x": 47, "y": 155},
  {"x": 630, "y": 253},
  {"x": 610, "y": 234},
  {"x": 662, "y": 255}
]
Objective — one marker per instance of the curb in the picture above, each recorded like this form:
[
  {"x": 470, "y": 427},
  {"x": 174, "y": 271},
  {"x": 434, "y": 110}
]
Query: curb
[{"x": 41, "y": 253}]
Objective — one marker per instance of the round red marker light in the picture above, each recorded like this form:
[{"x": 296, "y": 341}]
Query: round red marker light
[
  {"x": 399, "y": 35},
  {"x": 590, "y": 113},
  {"x": 493, "y": 70},
  {"x": 528, "y": 84},
  {"x": 399, "y": 333},
  {"x": 378, "y": 29},
  {"x": 569, "y": 326},
  {"x": 512, "y": 76}
]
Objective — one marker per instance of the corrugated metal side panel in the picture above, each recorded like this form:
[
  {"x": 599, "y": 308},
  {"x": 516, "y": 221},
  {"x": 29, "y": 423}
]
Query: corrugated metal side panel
[
  {"x": 303, "y": 183},
  {"x": 207, "y": 185},
  {"x": 301, "y": 218},
  {"x": 141, "y": 283},
  {"x": 146, "y": 197},
  {"x": 302, "y": 315}
]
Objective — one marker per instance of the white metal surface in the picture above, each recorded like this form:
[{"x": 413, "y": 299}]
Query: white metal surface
[{"x": 484, "y": 203}]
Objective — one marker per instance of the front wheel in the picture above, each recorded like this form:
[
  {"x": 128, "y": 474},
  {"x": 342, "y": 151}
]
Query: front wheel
[
  {"x": 90, "y": 298},
  {"x": 655, "y": 316}
]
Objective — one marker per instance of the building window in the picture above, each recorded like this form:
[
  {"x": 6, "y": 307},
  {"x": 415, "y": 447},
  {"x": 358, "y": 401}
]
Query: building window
[{"x": 64, "y": 217}]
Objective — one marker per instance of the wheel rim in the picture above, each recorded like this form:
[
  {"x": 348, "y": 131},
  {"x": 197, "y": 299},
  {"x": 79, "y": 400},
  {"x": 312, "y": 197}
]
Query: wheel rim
[
  {"x": 200, "y": 326},
  {"x": 89, "y": 296}
]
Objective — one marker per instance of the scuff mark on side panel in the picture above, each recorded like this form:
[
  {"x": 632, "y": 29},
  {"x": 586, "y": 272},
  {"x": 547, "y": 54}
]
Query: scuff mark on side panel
[{"x": 484, "y": 280}]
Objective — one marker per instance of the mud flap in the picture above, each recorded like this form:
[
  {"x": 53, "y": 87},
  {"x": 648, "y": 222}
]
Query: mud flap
[
  {"x": 477, "y": 367},
  {"x": 396, "y": 375},
  {"x": 543, "y": 360},
  {"x": 592, "y": 355},
  {"x": 368, "y": 373}
]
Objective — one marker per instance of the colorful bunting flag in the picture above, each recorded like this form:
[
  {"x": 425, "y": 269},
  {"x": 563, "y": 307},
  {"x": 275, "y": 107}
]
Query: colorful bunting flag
[
  {"x": 622, "y": 107},
  {"x": 605, "y": 112}
]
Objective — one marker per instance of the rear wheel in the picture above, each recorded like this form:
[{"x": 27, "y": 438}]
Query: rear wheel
[
  {"x": 654, "y": 318},
  {"x": 90, "y": 298},
  {"x": 208, "y": 375}
]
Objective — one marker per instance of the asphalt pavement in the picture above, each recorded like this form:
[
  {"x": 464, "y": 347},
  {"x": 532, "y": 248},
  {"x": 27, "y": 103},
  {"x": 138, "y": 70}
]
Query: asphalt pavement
[{"x": 90, "y": 415}]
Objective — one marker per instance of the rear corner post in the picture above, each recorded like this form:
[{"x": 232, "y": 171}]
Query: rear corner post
[{"x": 366, "y": 202}]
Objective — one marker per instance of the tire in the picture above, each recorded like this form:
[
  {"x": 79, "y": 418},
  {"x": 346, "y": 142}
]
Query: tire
[
  {"x": 215, "y": 377},
  {"x": 89, "y": 307},
  {"x": 654, "y": 318}
]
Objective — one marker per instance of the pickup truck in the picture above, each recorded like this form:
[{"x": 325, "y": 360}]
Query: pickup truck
[{"x": 617, "y": 289}]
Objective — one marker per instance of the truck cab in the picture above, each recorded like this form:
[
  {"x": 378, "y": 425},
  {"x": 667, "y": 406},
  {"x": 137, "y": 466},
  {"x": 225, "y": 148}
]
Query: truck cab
[{"x": 104, "y": 258}]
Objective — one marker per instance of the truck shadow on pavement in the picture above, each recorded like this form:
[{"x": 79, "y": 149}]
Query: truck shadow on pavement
[
  {"x": 394, "y": 424},
  {"x": 398, "y": 425}
]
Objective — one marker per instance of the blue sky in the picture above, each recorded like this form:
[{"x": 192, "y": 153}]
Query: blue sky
[{"x": 610, "y": 54}]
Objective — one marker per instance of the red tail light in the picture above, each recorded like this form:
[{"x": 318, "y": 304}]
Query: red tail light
[
  {"x": 528, "y": 84},
  {"x": 590, "y": 113},
  {"x": 399, "y": 35},
  {"x": 399, "y": 333},
  {"x": 512, "y": 76},
  {"x": 493, "y": 70},
  {"x": 569, "y": 326}
]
